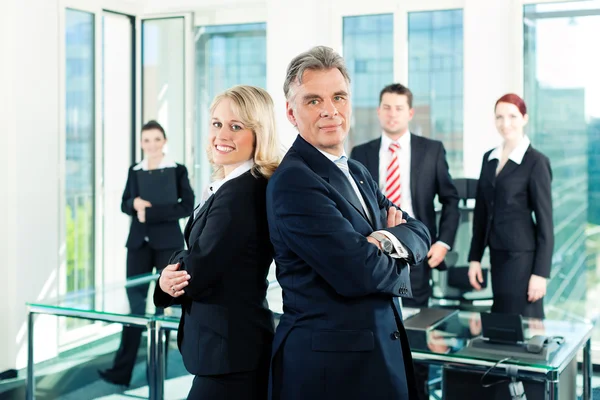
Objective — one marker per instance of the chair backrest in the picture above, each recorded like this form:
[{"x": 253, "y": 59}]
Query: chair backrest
[{"x": 467, "y": 188}]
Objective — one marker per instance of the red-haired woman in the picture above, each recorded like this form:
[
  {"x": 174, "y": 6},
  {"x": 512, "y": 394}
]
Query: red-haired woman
[{"x": 513, "y": 216}]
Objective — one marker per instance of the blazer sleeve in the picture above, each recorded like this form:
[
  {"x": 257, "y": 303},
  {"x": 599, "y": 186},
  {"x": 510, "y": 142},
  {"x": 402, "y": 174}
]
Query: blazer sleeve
[
  {"x": 229, "y": 227},
  {"x": 174, "y": 212},
  {"x": 128, "y": 194},
  {"x": 448, "y": 197},
  {"x": 480, "y": 217},
  {"x": 312, "y": 226},
  {"x": 540, "y": 190},
  {"x": 162, "y": 299}
]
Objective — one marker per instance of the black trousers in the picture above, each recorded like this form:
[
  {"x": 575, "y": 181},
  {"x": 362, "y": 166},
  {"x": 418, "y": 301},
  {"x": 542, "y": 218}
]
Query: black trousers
[
  {"x": 249, "y": 385},
  {"x": 421, "y": 289},
  {"x": 139, "y": 261}
]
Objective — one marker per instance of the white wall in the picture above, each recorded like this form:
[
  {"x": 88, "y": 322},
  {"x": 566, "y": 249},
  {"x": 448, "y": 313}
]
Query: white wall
[
  {"x": 490, "y": 70},
  {"x": 8, "y": 219},
  {"x": 292, "y": 17},
  {"x": 31, "y": 258}
]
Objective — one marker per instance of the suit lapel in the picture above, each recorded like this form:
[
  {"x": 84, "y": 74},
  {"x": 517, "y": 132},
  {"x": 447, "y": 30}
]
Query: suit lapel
[
  {"x": 338, "y": 180},
  {"x": 368, "y": 196},
  {"x": 328, "y": 171},
  {"x": 202, "y": 211},
  {"x": 511, "y": 166},
  {"x": 417, "y": 153},
  {"x": 508, "y": 168},
  {"x": 489, "y": 171},
  {"x": 373, "y": 159}
]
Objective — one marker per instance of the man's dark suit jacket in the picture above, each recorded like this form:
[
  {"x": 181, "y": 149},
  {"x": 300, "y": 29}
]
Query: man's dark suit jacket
[
  {"x": 504, "y": 207},
  {"x": 226, "y": 325},
  {"x": 341, "y": 335},
  {"x": 429, "y": 177},
  {"x": 162, "y": 221}
]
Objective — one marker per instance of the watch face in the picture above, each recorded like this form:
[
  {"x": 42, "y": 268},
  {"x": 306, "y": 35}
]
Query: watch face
[{"x": 387, "y": 246}]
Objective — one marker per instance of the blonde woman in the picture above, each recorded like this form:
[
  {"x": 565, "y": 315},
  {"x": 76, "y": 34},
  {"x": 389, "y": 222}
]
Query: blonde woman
[{"x": 226, "y": 328}]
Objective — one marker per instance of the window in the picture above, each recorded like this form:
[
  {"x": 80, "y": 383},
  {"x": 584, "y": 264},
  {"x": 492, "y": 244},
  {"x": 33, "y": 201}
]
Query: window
[
  {"x": 226, "y": 55},
  {"x": 435, "y": 76},
  {"x": 368, "y": 43},
  {"x": 163, "y": 80},
  {"x": 562, "y": 91},
  {"x": 80, "y": 150}
]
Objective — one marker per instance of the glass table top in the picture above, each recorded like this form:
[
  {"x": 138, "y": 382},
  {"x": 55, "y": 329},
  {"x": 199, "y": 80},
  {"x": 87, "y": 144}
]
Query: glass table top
[
  {"x": 451, "y": 336},
  {"x": 455, "y": 334},
  {"x": 125, "y": 298}
]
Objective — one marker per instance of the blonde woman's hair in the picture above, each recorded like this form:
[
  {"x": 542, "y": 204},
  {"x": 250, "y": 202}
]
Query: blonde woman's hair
[{"x": 254, "y": 108}]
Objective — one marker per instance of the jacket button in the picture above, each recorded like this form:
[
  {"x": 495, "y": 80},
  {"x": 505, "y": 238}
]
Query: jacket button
[{"x": 395, "y": 335}]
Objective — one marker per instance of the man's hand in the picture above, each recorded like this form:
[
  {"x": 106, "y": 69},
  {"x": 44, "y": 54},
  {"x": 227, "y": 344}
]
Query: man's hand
[
  {"x": 394, "y": 217},
  {"x": 436, "y": 254},
  {"x": 173, "y": 281},
  {"x": 374, "y": 241}
]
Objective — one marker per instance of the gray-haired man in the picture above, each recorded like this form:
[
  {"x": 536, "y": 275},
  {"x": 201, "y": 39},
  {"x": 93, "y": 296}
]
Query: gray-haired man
[{"x": 342, "y": 251}]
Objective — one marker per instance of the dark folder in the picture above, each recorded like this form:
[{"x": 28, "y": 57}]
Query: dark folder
[{"x": 158, "y": 186}]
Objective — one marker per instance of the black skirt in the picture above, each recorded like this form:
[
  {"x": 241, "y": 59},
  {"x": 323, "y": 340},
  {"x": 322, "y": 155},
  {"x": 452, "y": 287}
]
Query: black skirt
[
  {"x": 511, "y": 271},
  {"x": 249, "y": 385}
]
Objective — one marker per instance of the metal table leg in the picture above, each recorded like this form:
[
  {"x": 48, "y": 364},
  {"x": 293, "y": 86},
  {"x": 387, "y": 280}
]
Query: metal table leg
[
  {"x": 551, "y": 390},
  {"x": 151, "y": 360},
  {"x": 587, "y": 370},
  {"x": 160, "y": 361},
  {"x": 30, "y": 373}
]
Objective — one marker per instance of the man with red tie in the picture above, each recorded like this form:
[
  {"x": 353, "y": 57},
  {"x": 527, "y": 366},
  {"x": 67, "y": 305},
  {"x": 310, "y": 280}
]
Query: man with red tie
[{"x": 411, "y": 170}]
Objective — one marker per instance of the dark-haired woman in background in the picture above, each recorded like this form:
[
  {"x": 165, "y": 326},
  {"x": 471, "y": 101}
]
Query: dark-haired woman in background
[
  {"x": 513, "y": 216},
  {"x": 154, "y": 236}
]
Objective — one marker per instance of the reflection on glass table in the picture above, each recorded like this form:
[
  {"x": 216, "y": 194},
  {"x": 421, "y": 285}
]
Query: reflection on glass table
[{"x": 450, "y": 341}]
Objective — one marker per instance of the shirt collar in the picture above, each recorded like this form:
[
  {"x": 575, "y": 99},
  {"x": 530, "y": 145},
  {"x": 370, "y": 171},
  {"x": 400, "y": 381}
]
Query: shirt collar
[
  {"x": 332, "y": 157},
  {"x": 165, "y": 163},
  {"x": 516, "y": 155},
  {"x": 404, "y": 141},
  {"x": 239, "y": 170}
]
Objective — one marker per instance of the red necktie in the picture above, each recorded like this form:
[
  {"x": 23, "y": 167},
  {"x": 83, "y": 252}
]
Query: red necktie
[{"x": 393, "y": 186}]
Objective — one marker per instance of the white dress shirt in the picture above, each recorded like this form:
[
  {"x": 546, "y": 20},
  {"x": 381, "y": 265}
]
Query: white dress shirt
[
  {"x": 164, "y": 163},
  {"x": 385, "y": 157},
  {"x": 213, "y": 187},
  {"x": 401, "y": 251},
  {"x": 404, "y": 158}
]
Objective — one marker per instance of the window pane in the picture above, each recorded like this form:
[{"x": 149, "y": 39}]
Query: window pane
[
  {"x": 435, "y": 76},
  {"x": 79, "y": 163},
  {"x": 226, "y": 55},
  {"x": 368, "y": 43},
  {"x": 563, "y": 97},
  {"x": 163, "y": 91}
]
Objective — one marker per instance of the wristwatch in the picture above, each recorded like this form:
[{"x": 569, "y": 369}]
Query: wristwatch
[{"x": 386, "y": 244}]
